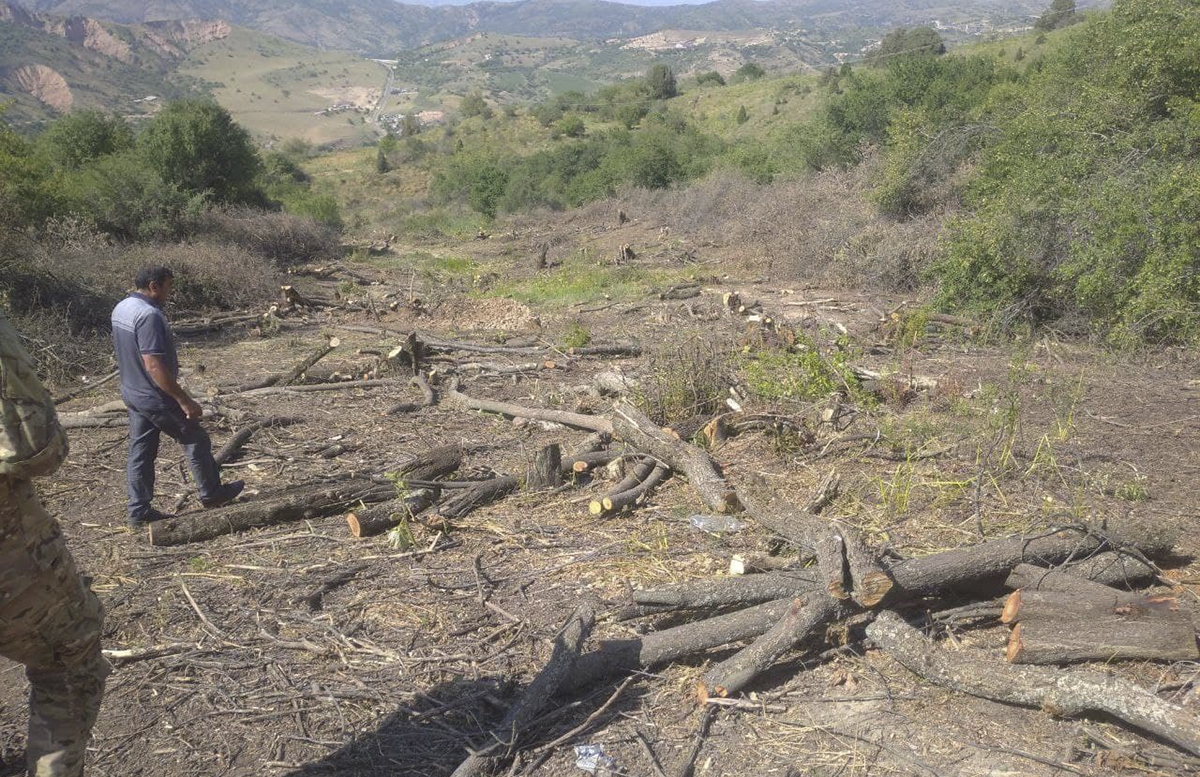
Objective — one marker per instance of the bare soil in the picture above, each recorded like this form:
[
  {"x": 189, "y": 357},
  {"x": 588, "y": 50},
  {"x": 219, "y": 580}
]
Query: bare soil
[{"x": 418, "y": 655}]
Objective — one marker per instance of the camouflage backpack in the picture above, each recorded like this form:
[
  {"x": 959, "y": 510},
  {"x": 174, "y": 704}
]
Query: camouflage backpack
[{"x": 31, "y": 441}]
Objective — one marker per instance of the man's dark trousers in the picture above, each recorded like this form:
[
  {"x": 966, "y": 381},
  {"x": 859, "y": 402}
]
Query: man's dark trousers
[{"x": 145, "y": 428}]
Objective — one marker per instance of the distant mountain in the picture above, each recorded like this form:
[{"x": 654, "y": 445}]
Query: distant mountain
[
  {"x": 51, "y": 64},
  {"x": 382, "y": 26}
]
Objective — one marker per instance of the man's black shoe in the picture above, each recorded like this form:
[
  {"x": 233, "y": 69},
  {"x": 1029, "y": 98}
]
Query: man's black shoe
[
  {"x": 225, "y": 494},
  {"x": 147, "y": 518}
]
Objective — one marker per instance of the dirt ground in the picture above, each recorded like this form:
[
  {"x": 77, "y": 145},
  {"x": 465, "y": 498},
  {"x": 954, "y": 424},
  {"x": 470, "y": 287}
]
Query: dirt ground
[{"x": 418, "y": 652}]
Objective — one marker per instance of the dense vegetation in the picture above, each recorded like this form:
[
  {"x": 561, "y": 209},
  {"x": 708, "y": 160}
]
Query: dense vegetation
[
  {"x": 1072, "y": 169},
  {"x": 88, "y": 201}
]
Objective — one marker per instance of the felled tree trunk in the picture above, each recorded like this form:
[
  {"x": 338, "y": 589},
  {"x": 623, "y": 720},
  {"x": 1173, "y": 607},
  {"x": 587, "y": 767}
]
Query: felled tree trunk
[
  {"x": 575, "y": 420},
  {"x": 1057, "y": 627},
  {"x": 567, "y": 646},
  {"x": 1065, "y": 694},
  {"x": 432, "y": 464},
  {"x": 484, "y": 493},
  {"x": 295, "y": 504}
]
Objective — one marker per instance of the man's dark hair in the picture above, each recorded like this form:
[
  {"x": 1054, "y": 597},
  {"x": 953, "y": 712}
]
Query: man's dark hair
[{"x": 148, "y": 275}]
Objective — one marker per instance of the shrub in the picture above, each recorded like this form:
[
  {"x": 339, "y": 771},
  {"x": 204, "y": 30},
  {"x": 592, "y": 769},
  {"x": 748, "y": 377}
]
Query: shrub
[
  {"x": 82, "y": 137},
  {"x": 283, "y": 238},
  {"x": 689, "y": 378},
  {"x": 196, "y": 146},
  {"x": 749, "y": 71},
  {"x": 660, "y": 81},
  {"x": 711, "y": 77}
]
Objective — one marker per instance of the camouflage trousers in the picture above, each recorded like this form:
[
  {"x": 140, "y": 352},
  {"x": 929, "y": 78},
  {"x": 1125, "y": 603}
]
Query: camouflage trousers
[{"x": 50, "y": 621}]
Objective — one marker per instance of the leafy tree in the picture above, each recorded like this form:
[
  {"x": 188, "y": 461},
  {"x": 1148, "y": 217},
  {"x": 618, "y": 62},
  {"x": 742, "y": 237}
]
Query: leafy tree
[
  {"x": 660, "y": 80},
  {"x": 410, "y": 125},
  {"x": 742, "y": 115},
  {"x": 571, "y": 125},
  {"x": 196, "y": 146},
  {"x": 711, "y": 77},
  {"x": 916, "y": 41},
  {"x": 488, "y": 184},
  {"x": 381, "y": 161},
  {"x": 23, "y": 198},
  {"x": 1061, "y": 13},
  {"x": 474, "y": 105},
  {"x": 750, "y": 71},
  {"x": 82, "y": 136}
]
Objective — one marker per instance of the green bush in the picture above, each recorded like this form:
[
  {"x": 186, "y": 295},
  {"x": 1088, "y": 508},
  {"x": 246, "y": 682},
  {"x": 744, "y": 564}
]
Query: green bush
[
  {"x": 82, "y": 137},
  {"x": 197, "y": 146},
  {"x": 1085, "y": 204}
]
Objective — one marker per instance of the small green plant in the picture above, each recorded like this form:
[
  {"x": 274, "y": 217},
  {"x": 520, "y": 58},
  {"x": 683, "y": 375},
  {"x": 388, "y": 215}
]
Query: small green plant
[
  {"x": 800, "y": 372},
  {"x": 345, "y": 288},
  {"x": 577, "y": 335},
  {"x": 400, "y": 536},
  {"x": 1134, "y": 490},
  {"x": 198, "y": 564}
]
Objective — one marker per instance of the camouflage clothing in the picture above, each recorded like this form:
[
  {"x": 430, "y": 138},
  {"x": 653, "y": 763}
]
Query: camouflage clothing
[{"x": 49, "y": 620}]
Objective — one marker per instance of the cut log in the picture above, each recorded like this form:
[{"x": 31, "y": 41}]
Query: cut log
[
  {"x": 804, "y": 618},
  {"x": 564, "y": 417},
  {"x": 546, "y": 471},
  {"x": 1064, "y": 694},
  {"x": 295, "y": 504},
  {"x": 434, "y": 463},
  {"x": 1091, "y": 622},
  {"x": 95, "y": 384},
  {"x": 849, "y": 568},
  {"x": 567, "y": 646},
  {"x": 1155, "y": 633},
  {"x": 668, "y": 645},
  {"x": 640, "y": 472},
  {"x": 631, "y": 497},
  {"x": 617, "y": 349},
  {"x": 344, "y": 385},
  {"x": 984, "y": 565},
  {"x": 724, "y": 592},
  {"x": 1119, "y": 570},
  {"x": 292, "y": 375},
  {"x": 596, "y": 441},
  {"x": 234, "y": 445},
  {"x": 482, "y": 494},
  {"x": 377, "y": 519},
  {"x": 586, "y": 462},
  {"x": 633, "y": 426}
]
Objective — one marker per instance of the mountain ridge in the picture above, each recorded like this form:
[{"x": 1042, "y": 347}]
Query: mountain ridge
[{"x": 381, "y": 27}]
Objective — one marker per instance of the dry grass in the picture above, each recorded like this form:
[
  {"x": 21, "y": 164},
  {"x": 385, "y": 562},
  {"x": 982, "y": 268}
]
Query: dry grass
[
  {"x": 820, "y": 229},
  {"x": 283, "y": 238},
  {"x": 60, "y": 289}
]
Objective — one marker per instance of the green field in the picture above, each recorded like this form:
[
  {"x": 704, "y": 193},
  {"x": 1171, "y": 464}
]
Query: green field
[{"x": 275, "y": 87}]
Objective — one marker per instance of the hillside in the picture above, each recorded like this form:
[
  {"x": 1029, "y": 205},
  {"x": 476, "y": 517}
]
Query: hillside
[
  {"x": 49, "y": 64},
  {"x": 382, "y": 26},
  {"x": 280, "y": 89}
]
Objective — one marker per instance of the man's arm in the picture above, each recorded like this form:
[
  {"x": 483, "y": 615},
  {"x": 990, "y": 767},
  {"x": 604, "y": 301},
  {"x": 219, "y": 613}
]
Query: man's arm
[{"x": 162, "y": 377}]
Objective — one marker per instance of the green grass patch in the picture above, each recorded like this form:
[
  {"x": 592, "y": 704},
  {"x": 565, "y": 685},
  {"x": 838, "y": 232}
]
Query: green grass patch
[{"x": 580, "y": 282}]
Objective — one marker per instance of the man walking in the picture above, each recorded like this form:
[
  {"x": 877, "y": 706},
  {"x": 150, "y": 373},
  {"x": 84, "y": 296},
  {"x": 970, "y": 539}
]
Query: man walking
[
  {"x": 149, "y": 366},
  {"x": 50, "y": 621}
]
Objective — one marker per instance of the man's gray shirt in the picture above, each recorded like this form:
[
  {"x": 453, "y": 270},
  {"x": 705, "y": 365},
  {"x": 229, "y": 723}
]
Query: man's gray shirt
[{"x": 140, "y": 327}]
